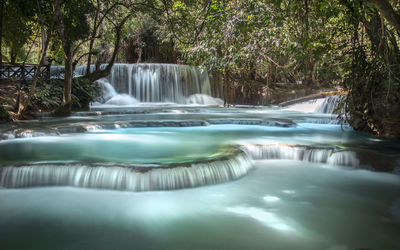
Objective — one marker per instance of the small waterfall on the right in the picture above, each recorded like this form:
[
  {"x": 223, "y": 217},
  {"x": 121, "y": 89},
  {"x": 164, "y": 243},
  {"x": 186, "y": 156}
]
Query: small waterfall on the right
[
  {"x": 330, "y": 105},
  {"x": 326, "y": 105},
  {"x": 330, "y": 156}
]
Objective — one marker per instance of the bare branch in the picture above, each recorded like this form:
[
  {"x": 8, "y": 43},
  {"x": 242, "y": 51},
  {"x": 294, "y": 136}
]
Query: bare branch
[{"x": 80, "y": 57}]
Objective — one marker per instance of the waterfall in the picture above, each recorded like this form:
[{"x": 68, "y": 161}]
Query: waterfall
[
  {"x": 330, "y": 105},
  {"x": 302, "y": 153},
  {"x": 344, "y": 158},
  {"x": 327, "y": 105},
  {"x": 307, "y": 106},
  {"x": 147, "y": 82},
  {"x": 128, "y": 177}
]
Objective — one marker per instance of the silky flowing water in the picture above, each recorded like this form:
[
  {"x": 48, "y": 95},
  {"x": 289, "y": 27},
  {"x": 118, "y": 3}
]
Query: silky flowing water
[{"x": 146, "y": 175}]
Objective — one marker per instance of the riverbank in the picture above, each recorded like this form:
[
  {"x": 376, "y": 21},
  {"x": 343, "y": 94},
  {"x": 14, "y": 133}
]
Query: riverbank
[{"x": 47, "y": 98}]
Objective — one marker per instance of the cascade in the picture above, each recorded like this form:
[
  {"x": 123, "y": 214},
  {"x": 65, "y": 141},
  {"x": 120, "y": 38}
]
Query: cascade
[
  {"x": 149, "y": 177},
  {"x": 307, "y": 106},
  {"x": 302, "y": 153},
  {"x": 330, "y": 104},
  {"x": 344, "y": 158},
  {"x": 327, "y": 105},
  {"x": 148, "y": 82},
  {"x": 128, "y": 177}
]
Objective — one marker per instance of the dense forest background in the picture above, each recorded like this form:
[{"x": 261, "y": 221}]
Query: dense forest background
[{"x": 255, "y": 49}]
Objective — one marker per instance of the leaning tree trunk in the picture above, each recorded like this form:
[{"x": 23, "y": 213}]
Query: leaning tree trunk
[
  {"x": 23, "y": 104},
  {"x": 226, "y": 88}
]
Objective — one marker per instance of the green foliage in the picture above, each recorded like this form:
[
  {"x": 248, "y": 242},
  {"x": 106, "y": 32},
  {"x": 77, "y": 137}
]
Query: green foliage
[
  {"x": 75, "y": 15},
  {"x": 373, "y": 78},
  {"x": 48, "y": 96},
  {"x": 56, "y": 53},
  {"x": 4, "y": 116},
  {"x": 374, "y": 105},
  {"x": 83, "y": 91},
  {"x": 294, "y": 40},
  {"x": 16, "y": 20}
]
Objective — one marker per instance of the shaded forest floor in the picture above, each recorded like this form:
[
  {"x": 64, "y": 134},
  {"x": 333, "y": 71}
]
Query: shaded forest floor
[
  {"x": 47, "y": 98},
  {"x": 8, "y": 99}
]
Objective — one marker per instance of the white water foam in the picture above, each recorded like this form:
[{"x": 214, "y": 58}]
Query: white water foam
[
  {"x": 122, "y": 100},
  {"x": 306, "y": 107},
  {"x": 125, "y": 177},
  {"x": 302, "y": 153},
  {"x": 327, "y": 105},
  {"x": 203, "y": 99},
  {"x": 330, "y": 105}
]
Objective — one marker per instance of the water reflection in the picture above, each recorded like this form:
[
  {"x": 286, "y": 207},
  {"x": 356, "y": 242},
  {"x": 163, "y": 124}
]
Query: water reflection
[
  {"x": 291, "y": 192},
  {"x": 271, "y": 199},
  {"x": 268, "y": 219}
]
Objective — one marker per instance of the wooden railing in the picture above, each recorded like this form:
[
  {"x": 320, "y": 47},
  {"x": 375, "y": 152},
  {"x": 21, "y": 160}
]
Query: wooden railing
[{"x": 23, "y": 71}]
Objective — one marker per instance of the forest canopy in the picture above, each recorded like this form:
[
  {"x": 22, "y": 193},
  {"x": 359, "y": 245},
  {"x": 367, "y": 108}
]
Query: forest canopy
[{"x": 252, "y": 45}]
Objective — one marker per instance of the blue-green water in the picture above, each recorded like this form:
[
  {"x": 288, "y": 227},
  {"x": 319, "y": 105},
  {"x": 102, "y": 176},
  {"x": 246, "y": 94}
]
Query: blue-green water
[{"x": 312, "y": 184}]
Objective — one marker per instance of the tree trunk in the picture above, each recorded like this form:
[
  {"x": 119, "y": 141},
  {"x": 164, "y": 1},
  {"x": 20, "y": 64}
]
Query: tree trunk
[
  {"x": 1, "y": 29},
  {"x": 66, "y": 106},
  {"x": 139, "y": 51},
  {"x": 387, "y": 11},
  {"x": 306, "y": 40},
  {"x": 68, "y": 74},
  {"x": 226, "y": 88},
  {"x": 313, "y": 75},
  {"x": 23, "y": 104},
  {"x": 93, "y": 35},
  {"x": 13, "y": 55},
  {"x": 43, "y": 39}
]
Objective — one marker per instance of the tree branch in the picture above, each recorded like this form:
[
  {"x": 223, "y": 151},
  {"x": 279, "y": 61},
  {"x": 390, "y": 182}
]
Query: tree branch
[
  {"x": 81, "y": 56},
  {"x": 97, "y": 74}
]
